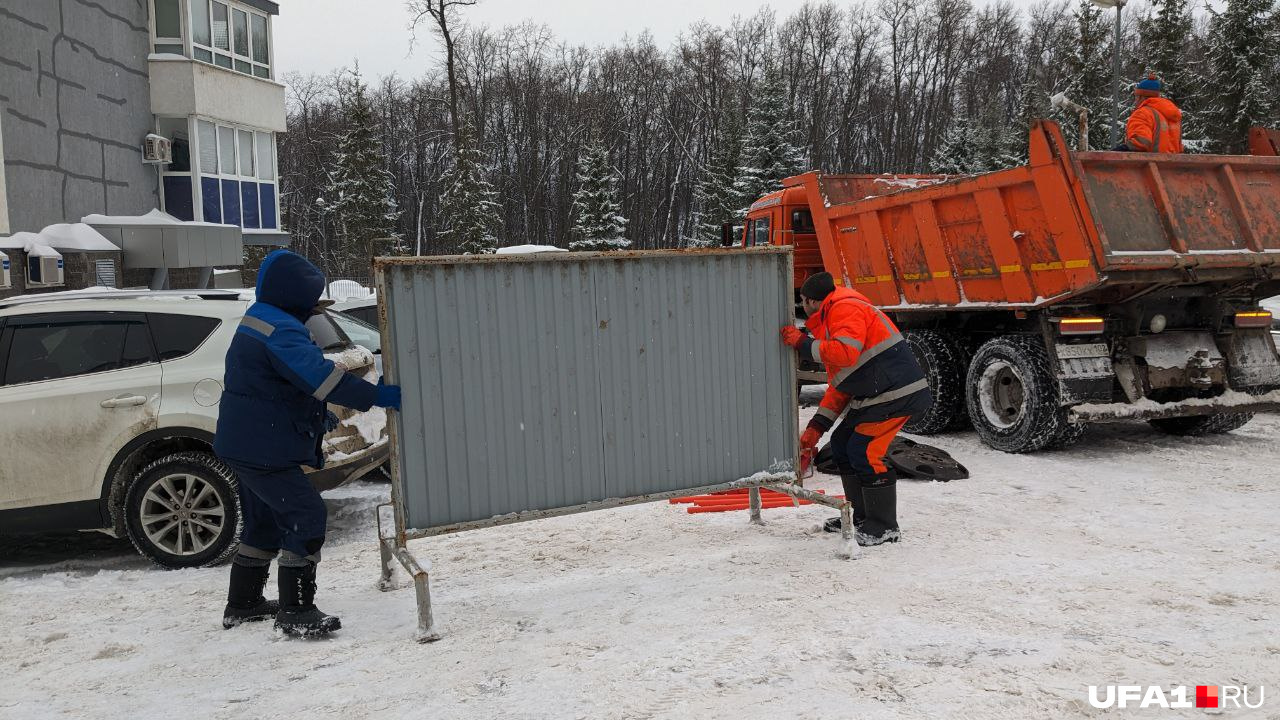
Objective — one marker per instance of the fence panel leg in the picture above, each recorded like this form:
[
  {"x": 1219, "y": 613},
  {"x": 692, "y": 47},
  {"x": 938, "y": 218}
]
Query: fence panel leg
[
  {"x": 384, "y": 582},
  {"x": 848, "y": 545},
  {"x": 426, "y": 623},
  {"x": 753, "y": 499}
]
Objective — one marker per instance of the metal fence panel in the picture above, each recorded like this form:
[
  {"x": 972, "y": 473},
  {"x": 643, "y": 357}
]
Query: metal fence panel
[{"x": 545, "y": 382}]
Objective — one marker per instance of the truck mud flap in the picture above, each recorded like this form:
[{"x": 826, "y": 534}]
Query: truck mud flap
[
  {"x": 1229, "y": 402},
  {"x": 912, "y": 460}
]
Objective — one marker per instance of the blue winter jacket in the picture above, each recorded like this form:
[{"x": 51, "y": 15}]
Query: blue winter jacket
[{"x": 277, "y": 380}]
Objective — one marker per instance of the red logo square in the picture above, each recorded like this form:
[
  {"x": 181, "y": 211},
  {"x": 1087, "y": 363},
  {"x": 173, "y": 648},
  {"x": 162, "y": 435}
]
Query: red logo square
[{"x": 1206, "y": 696}]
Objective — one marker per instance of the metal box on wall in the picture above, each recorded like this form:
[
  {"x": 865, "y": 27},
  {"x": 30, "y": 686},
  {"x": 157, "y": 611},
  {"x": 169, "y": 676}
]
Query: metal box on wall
[{"x": 549, "y": 383}]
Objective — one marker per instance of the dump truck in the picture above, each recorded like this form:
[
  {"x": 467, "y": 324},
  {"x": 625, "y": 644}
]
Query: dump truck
[{"x": 1082, "y": 287}]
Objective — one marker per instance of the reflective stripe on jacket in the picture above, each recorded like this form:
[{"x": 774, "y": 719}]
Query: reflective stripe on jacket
[{"x": 869, "y": 365}]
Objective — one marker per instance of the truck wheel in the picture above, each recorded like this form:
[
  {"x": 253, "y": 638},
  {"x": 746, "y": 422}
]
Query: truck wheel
[
  {"x": 939, "y": 356},
  {"x": 1012, "y": 396},
  {"x": 1198, "y": 425},
  {"x": 183, "y": 511}
]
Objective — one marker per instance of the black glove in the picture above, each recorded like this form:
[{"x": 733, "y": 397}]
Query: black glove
[{"x": 331, "y": 421}]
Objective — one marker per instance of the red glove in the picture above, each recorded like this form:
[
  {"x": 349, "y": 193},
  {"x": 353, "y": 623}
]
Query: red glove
[
  {"x": 791, "y": 335},
  {"x": 808, "y": 450},
  {"x": 809, "y": 438}
]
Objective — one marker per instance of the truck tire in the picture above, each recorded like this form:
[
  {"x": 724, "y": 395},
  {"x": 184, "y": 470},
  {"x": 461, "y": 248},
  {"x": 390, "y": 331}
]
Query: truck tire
[
  {"x": 1198, "y": 425},
  {"x": 1012, "y": 396},
  {"x": 183, "y": 511},
  {"x": 940, "y": 358}
]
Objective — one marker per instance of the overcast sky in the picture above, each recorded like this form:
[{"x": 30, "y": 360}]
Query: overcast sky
[{"x": 320, "y": 35}]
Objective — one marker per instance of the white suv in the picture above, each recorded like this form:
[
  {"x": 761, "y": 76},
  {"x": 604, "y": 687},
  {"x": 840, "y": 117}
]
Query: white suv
[{"x": 108, "y": 405}]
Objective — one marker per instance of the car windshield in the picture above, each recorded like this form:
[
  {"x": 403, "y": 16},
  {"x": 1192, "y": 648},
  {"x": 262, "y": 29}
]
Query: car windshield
[
  {"x": 326, "y": 333},
  {"x": 361, "y": 333}
]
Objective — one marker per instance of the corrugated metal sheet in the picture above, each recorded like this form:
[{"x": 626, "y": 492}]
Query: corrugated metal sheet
[{"x": 552, "y": 381}]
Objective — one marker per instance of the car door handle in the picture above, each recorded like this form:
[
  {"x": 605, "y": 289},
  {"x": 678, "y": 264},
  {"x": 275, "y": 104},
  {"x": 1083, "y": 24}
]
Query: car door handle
[{"x": 123, "y": 401}]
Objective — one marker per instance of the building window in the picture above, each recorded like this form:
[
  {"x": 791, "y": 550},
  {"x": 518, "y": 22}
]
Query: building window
[
  {"x": 223, "y": 33},
  {"x": 231, "y": 36},
  {"x": 168, "y": 27},
  {"x": 237, "y": 174}
]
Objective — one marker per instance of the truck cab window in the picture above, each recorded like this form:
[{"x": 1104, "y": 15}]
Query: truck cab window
[
  {"x": 760, "y": 231},
  {"x": 802, "y": 221}
]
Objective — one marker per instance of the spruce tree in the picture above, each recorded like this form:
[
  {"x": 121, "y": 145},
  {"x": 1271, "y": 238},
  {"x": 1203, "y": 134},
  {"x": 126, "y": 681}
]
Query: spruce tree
[
  {"x": 1033, "y": 103},
  {"x": 772, "y": 149},
  {"x": 1243, "y": 59},
  {"x": 1089, "y": 69},
  {"x": 359, "y": 198},
  {"x": 970, "y": 147},
  {"x": 469, "y": 206},
  {"x": 716, "y": 201},
  {"x": 598, "y": 223},
  {"x": 960, "y": 151}
]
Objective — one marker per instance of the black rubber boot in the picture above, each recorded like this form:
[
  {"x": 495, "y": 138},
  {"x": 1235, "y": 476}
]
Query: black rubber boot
[
  {"x": 881, "y": 525},
  {"x": 852, "y": 493},
  {"x": 245, "y": 602},
  {"x": 299, "y": 616}
]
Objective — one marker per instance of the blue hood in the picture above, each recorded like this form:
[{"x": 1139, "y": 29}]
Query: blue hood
[{"x": 290, "y": 282}]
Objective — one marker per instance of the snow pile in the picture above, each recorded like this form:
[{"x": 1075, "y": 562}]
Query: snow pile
[
  {"x": 343, "y": 290},
  {"x": 600, "y": 245},
  {"x": 371, "y": 424},
  {"x": 155, "y": 217},
  {"x": 71, "y": 237},
  {"x": 527, "y": 249},
  {"x": 900, "y": 183}
]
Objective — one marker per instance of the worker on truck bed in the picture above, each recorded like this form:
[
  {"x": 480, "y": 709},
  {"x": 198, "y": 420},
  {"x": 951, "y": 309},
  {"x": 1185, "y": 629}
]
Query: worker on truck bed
[
  {"x": 873, "y": 375},
  {"x": 271, "y": 421},
  {"x": 1156, "y": 123}
]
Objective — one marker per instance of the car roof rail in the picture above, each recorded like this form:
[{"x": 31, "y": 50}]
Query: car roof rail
[{"x": 69, "y": 295}]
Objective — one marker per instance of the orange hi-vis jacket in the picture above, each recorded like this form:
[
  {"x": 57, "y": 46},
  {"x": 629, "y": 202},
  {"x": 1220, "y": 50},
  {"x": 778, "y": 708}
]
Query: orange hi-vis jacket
[
  {"x": 1155, "y": 126},
  {"x": 870, "y": 368}
]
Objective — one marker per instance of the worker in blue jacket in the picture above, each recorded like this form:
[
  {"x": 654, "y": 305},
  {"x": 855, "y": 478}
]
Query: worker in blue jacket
[{"x": 270, "y": 423}]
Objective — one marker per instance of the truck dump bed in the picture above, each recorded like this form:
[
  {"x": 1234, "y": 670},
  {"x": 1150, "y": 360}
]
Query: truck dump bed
[{"x": 1068, "y": 227}]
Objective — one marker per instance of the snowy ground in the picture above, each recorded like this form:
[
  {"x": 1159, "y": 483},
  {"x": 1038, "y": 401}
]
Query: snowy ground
[{"x": 1134, "y": 558}]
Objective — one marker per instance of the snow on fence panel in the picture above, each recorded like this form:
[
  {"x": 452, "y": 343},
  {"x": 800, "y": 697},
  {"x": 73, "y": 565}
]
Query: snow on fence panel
[
  {"x": 536, "y": 383},
  {"x": 545, "y": 384}
]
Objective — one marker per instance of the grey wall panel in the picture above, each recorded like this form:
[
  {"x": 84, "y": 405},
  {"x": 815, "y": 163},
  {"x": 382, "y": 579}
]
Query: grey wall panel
[
  {"x": 76, "y": 103},
  {"x": 547, "y": 382}
]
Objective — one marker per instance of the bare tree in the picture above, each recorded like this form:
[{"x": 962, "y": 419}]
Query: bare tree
[{"x": 444, "y": 14}]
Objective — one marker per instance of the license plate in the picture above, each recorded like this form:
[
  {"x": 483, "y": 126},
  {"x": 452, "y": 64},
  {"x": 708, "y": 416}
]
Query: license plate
[{"x": 1083, "y": 351}]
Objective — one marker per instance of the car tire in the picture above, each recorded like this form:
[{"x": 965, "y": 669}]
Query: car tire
[
  {"x": 1012, "y": 397},
  {"x": 173, "y": 533},
  {"x": 1198, "y": 425}
]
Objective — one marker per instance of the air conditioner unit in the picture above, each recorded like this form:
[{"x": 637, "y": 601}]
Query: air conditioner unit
[
  {"x": 157, "y": 149},
  {"x": 44, "y": 270},
  {"x": 5, "y": 281}
]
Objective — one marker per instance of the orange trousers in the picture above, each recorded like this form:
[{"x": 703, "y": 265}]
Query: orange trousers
[{"x": 859, "y": 447}]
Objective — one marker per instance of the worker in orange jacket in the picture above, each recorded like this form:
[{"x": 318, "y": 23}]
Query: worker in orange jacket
[
  {"x": 872, "y": 377},
  {"x": 1156, "y": 123}
]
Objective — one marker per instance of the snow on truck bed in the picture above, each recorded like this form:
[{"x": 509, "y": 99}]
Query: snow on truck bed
[{"x": 1134, "y": 558}]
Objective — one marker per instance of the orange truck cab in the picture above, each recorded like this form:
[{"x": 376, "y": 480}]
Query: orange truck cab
[{"x": 1082, "y": 287}]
